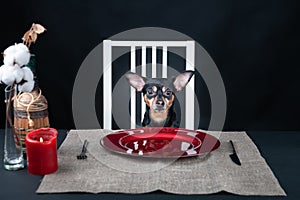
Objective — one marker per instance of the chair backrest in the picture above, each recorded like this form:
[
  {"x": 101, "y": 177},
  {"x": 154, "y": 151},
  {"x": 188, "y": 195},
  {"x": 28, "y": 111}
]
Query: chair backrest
[{"x": 154, "y": 45}]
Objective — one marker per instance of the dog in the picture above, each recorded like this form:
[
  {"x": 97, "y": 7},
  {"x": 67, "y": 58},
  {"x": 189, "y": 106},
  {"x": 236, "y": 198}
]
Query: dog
[{"x": 159, "y": 95}]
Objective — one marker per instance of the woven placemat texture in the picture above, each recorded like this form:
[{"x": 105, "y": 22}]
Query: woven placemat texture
[{"x": 104, "y": 171}]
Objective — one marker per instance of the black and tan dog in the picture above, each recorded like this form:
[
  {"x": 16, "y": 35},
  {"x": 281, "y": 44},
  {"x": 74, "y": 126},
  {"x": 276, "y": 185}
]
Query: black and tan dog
[{"x": 159, "y": 96}]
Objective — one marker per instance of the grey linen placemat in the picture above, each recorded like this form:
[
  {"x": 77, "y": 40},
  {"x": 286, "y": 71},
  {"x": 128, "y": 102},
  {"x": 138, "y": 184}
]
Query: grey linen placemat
[{"x": 104, "y": 171}]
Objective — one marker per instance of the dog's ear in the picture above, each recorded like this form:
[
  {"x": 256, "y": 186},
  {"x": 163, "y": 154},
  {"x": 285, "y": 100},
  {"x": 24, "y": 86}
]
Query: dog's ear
[
  {"x": 182, "y": 80},
  {"x": 136, "y": 81}
]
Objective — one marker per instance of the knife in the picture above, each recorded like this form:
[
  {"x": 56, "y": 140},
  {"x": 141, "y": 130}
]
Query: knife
[{"x": 234, "y": 157}]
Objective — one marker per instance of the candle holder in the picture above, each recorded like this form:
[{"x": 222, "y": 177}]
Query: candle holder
[{"x": 13, "y": 155}]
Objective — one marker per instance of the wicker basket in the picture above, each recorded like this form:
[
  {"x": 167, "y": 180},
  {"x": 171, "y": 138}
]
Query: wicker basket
[{"x": 30, "y": 112}]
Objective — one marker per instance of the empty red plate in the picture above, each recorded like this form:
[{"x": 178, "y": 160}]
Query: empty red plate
[{"x": 160, "y": 142}]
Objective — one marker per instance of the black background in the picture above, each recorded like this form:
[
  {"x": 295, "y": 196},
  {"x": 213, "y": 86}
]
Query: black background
[{"x": 254, "y": 43}]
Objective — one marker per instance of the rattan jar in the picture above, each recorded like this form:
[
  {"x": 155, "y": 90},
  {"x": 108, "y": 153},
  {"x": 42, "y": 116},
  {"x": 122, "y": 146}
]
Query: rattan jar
[{"x": 30, "y": 109}]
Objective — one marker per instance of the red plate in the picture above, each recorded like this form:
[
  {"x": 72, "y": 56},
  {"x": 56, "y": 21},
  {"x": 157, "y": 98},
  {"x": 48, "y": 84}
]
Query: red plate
[{"x": 160, "y": 142}]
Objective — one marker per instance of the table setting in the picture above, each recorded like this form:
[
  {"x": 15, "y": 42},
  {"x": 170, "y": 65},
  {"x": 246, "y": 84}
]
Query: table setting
[{"x": 103, "y": 170}]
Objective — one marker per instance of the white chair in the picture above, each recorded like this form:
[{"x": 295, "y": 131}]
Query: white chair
[{"x": 154, "y": 45}]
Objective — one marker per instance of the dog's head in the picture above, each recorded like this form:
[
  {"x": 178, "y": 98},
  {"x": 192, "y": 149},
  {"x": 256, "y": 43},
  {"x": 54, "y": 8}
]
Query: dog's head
[{"x": 159, "y": 92}]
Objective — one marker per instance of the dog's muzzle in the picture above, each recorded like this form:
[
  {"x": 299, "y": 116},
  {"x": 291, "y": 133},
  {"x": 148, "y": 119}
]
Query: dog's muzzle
[{"x": 159, "y": 106}]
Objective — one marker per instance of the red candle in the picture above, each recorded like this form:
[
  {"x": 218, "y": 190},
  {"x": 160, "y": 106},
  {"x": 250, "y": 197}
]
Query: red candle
[{"x": 41, "y": 151}]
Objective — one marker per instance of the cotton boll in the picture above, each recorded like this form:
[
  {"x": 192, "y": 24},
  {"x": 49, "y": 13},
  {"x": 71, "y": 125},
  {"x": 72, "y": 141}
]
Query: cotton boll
[
  {"x": 1, "y": 72},
  {"x": 18, "y": 73},
  {"x": 10, "y": 50},
  {"x": 2, "y": 68},
  {"x": 11, "y": 74},
  {"x": 16, "y": 47},
  {"x": 22, "y": 57},
  {"x": 21, "y": 47},
  {"x": 28, "y": 75},
  {"x": 26, "y": 87},
  {"x": 18, "y": 53},
  {"x": 9, "y": 59},
  {"x": 7, "y": 75}
]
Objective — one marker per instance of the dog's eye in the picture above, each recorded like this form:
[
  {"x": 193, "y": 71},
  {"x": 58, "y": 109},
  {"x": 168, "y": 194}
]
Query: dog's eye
[
  {"x": 150, "y": 92},
  {"x": 168, "y": 93}
]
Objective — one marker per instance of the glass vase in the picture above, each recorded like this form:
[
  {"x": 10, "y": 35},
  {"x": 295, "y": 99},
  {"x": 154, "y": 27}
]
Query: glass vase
[{"x": 13, "y": 155}]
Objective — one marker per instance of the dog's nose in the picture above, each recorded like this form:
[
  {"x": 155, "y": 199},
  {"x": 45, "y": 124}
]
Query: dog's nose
[{"x": 160, "y": 102}]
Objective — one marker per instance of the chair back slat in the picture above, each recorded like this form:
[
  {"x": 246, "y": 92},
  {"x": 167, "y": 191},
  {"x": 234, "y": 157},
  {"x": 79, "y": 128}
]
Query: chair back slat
[
  {"x": 144, "y": 74},
  {"x": 164, "y": 62},
  {"x": 154, "y": 61},
  {"x": 132, "y": 90},
  {"x": 190, "y": 88},
  {"x": 107, "y": 80}
]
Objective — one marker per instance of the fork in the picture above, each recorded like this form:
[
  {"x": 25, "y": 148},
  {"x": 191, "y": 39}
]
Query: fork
[{"x": 83, "y": 155}]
